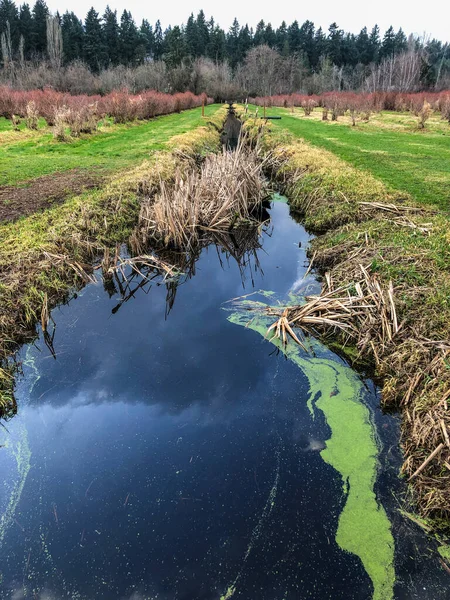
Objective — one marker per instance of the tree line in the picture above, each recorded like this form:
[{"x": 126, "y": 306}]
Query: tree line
[{"x": 104, "y": 41}]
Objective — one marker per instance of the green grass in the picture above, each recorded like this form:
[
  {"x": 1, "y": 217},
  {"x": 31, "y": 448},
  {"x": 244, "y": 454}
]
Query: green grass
[
  {"x": 27, "y": 155},
  {"x": 390, "y": 147}
]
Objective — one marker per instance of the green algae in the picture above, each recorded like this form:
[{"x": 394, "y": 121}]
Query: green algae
[
  {"x": 363, "y": 528},
  {"x": 444, "y": 551},
  {"x": 279, "y": 198},
  {"x": 21, "y": 454}
]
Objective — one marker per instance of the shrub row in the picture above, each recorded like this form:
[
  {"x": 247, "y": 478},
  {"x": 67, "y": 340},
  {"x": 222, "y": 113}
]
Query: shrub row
[
  {"x": 120, "y": 105},
  {"x": 340, "y": 102}
]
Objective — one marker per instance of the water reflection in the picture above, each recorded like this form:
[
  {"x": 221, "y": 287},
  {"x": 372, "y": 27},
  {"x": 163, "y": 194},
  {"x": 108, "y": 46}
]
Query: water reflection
[{"x": 168, "y": 458}]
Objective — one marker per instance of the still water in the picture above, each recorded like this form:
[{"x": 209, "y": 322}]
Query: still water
[{"x": 173, "y": 454}]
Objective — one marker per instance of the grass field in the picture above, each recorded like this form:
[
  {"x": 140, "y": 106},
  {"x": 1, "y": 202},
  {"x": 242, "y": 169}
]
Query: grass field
[
  {"x": 390, "y": 146},
  {"x": 25, "y": 155}
]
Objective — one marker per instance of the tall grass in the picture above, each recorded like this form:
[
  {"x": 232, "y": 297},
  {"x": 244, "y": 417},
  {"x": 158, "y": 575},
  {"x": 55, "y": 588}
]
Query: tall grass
[{"x": 221, "y": 194}]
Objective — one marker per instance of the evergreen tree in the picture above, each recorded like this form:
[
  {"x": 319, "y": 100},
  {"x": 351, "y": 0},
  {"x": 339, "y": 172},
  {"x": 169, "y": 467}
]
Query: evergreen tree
[
  {"x": 400, "y": 42},
  {"x": 260, "y": 34},
  {"x": 244, "y": 42},
  {"x": 294, "y": 37},
  {"x": 129, "y": 40},
  {"x": 388, "y": 45},
  {"x": 306, "y": 43},
  {"x": 73, "y": 36},
  {"x": 38, "y": 41},
  {"x": 111, "y": 36},
  {"x": 217, "y": 47},
  {"x": 270, "y": 37},
  {"x": 281, "y": 37},
  {"x": 191, "y": 36},
  {"x": 158, "y": 41},
  {"x": 175, "y": 47},
  {"x": 25, "y": 27},
  {"x": 374, "y": 44},
  {"x": 147, "y": 38},
  {"x": 94, "y": 48},
  {"x": 320, "y": 45},
  {"x": 363, "y": 47},
  {"x": 233, "y": 43},
  {"x": 202, "y": 34},
  {"x": 349, "y": 52},
  {"x": 10, "y": 14},
  {"x": 335, "y": 44}
]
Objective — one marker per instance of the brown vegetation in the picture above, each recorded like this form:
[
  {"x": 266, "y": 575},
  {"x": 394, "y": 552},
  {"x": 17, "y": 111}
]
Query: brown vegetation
[
  {"x": 82, "y": 112},
  {"x": 361, "y": 105},
  {"x": 216, "y": 198}
]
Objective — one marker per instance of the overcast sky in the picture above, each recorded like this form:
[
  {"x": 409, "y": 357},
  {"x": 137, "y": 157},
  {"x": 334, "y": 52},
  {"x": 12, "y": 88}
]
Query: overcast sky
[{"x": 415, "y": 17}]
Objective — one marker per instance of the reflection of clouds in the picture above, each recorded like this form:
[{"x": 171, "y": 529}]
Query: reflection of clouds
[
  {"x": 221, "y": 405},
  {"x": 306, "y": 286},
  {"x": 196, "y": 356}
]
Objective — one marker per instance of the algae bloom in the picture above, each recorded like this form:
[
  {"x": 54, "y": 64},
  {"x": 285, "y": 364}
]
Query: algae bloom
[{"x": 364, "y": 528}]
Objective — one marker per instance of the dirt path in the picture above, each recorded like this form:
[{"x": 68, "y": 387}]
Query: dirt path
[{"x": 43, "y": 192}]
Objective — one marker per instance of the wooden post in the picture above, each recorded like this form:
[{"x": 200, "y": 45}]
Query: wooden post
[
  {"x": 264, "y": 109},
  {"x": 203, "y": 106}
]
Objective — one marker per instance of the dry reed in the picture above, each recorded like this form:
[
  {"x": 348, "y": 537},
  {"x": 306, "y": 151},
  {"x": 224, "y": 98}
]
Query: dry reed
[
  {"x": 220, "y": 195},
  {"x": 364, "y": 311}
]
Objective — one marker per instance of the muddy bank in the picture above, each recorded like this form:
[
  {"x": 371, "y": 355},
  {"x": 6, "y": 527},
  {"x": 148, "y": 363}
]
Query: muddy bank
[{"x": 31, "y": 196}]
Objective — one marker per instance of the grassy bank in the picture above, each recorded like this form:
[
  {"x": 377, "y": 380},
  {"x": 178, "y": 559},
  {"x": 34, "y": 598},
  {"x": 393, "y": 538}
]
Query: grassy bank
[
  {"x": 390, "y": 146},
  {"x": 398, "y": 238},
  {"x": 46, "y": 254},
  {"x": 25, "y": 154}
]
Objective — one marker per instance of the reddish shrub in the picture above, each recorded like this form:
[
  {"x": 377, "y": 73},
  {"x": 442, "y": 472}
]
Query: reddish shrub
[{"x": 121, "y": 105}]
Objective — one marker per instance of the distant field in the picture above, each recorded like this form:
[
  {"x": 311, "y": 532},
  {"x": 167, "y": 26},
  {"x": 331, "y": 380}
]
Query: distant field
[
  {"x": 390, "y": 146},
  {"x": 25, "y": 155}
]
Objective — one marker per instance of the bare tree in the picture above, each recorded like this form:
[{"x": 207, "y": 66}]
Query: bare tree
[
  {"x": 54, "y": 42},
  {"x": 21, "y": 52},
  {"x": 260, "y": 74},
  {"x": 6, "y": 45},
  {"x": 399, "y": 72}
]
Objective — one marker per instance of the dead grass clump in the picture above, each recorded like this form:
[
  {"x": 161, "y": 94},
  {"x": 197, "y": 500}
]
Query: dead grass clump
[
  {"x": 31, "y": 115},
  {"x": 60, "y": 124},
  {"x": 363, "y": 311},
  {"x": 222, "y": 194},
  {"x": 424, "y": 114},
  {"x": 141, "y": 265},
  {"x": 83, "y": 119},
  {"x": 15, "y": 122}
]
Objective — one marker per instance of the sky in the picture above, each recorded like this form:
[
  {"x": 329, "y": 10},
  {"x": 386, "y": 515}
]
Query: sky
[{"x": 413, "y": 16}]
